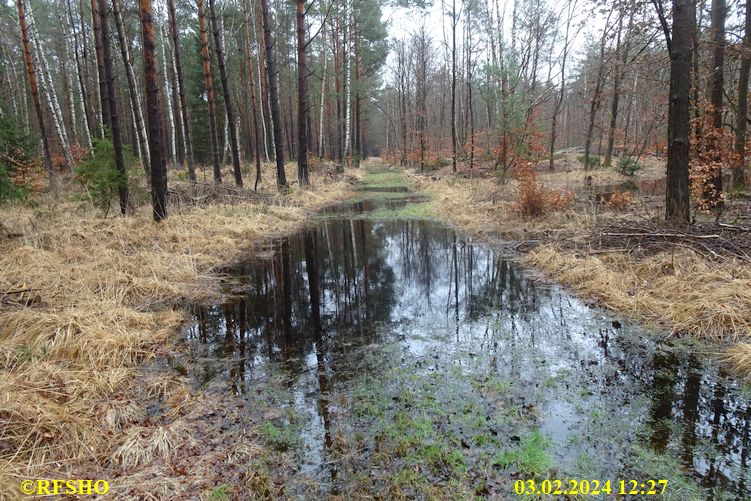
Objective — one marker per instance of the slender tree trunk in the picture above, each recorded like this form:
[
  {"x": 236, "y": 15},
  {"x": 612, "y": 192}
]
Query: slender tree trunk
[
  {"x": 323, "y": 93},
  {"x": 232, "y": 127},
  {"x": 302, "y": 98},
  {"x": 739, "y": 169},
  {"x": 111, "y": 104},
  {"x": 31, "y": 72},
  {"x": 49, "y": 88},
  {"x": 571, "y": 8},
  {"x": 209, "y": 83},
  {"x": 594, "y": 105},
  {"x": 104, "y": 110},
  {"x": 617, "y": 77},
  {"x": 135, "y": 96},
  {"x": 187, "y": 133},
  {"x": 348, "y": 81},
  {"x": 252, "y": 90},
  {"x": 716, "y": 90},
  {"x": 453, "y": 83},
  {"x": 154, "y": 122},
  {"x": 171, "y": 136},
  {"x": 281, "y": 179},
  {"x": 677, "y": 196},
  {"x": 80, "y": 76},
  {"x": 261, "y": 94}
]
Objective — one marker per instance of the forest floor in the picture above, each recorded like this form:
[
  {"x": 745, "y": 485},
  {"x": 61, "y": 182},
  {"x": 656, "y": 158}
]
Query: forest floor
[
  {"x": 692, "y": 280},
  {"x": 86, "y": 301}
]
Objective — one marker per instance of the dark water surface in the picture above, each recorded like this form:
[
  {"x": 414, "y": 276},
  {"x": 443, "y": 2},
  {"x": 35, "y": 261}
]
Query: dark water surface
[{"x": 353, "y": 306}]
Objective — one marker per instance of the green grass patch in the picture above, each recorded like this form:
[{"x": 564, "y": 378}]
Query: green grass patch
[
  {"x": 281, "y": 439},
  {"x": 530, "y": 458},
  {"x": 423, "y": 210}
]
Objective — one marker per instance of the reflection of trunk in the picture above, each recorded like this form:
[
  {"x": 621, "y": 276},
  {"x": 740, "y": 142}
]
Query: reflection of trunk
[
  {"x": 691, "y": 390},
  {"x": 209, "y": 83},
  {"x": 286, "y": 293},
  {"x": 227, "y": 95},
  {"x": 664, "y": 366},
  {"x": 324, "y": 385}
]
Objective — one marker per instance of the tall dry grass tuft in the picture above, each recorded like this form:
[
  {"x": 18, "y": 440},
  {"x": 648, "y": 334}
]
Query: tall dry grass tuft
[
  {"x": 681, "y": 292},
  {"x": 85, "y": 300}
]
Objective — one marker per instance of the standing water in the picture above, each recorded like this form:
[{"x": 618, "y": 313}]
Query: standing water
[{"x": 393, "y": 357}]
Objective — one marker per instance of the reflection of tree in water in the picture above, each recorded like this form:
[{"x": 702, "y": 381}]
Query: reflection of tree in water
[{"x": 351, "y": 282}]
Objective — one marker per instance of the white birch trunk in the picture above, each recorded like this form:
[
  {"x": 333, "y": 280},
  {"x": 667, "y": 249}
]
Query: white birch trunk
[
  {"x": 348, "y": 81},
  {"x": 79, "y": 75},
  {"x": 323, "y": 95},
  {"x": 167, "y": 84},
  {"x": 260, "y": 85},
  {"x": 49, "y": 90},
  {"x": 139, "y": 124}
]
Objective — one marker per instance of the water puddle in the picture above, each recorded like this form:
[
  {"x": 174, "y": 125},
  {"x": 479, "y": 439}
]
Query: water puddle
[{"x": 397, "y": 357}]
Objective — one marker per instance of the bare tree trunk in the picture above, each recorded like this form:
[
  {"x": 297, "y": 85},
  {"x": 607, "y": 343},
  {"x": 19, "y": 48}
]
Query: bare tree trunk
[
  {"x": 35, "y": 94},
  {"x": 99, "y": 8},
  {"x": 454, "y": 22},
  {"x": 209, "y": 83},
  {"x": 680, "y": 46},
  {"x": 571, "y": 9},
  {"x": 172, "y": 152},
  {"x": 227, "y": 95},
  {"x": 348, "y": 81},
  {"x": 323, "y": 94},
  {"x": 594, "y": 105},
  {"x": 262, "y": 104},
  {"x": 80, "y": 76},
  {"x": 48, "y": 87},
  {"x": 281, "y": 179},
  {"x": 617, "y": 77},
  {"x": 187, "y": 133},
  {"x": 133, "y": 93},
  {"x": 741, "y": 123},
  {"x": 153, "y": 120},
  {"x": 716, "y": 90},
  {"x": 104, "y": 110},
  {"x": 302, "y": 98},
  {"x": 252, "y": 90}
]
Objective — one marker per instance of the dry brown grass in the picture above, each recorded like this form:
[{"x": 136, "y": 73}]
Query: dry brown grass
[
  {"x": 85, "y": 300},
  {"x": 682, "y": 292}
]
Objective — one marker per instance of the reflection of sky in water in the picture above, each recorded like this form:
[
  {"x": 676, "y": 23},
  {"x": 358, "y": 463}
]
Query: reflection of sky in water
[{"x": 594, "y": 389}]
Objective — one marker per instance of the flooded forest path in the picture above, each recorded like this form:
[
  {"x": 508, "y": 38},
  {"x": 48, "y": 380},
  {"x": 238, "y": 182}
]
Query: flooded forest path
[{"x": 380, "y": 353}]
